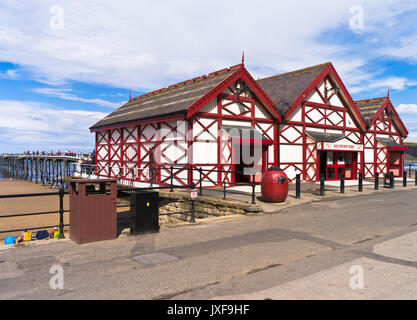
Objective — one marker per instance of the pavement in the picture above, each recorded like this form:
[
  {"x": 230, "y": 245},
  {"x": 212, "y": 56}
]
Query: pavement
[
  {"x": 310, "y": 192},
  {"x": 360, "y": 247}
]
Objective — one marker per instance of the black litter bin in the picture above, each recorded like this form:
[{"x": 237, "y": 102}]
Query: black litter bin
[
  {"x": 389, "y": 180},
  {"x": 144, "y": 212}
]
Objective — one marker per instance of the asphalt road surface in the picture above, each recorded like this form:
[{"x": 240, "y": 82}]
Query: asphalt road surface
[{"x": 356, "y": 248}]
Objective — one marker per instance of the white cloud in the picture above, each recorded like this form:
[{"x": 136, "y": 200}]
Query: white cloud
[
  {"x": 66, "y": 95},
  {"x": 147, "y": 44},
  {"x": 144, "y": 45},
  {"x": 27, "y": 125},
  {"x": 407, "y": 108},
  {"x": 381, "y": 84},
  {"x": 12, "y": 74},
  {"x": 412, "y": 137}
]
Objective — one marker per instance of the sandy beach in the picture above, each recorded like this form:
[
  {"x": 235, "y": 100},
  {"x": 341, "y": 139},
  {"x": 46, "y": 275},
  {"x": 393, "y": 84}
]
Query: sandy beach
[{"x": 29, "y": 205}]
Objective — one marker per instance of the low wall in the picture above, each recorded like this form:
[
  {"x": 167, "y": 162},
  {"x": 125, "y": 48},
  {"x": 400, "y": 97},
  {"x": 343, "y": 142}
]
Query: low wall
[{"x": 204, "y": 207}]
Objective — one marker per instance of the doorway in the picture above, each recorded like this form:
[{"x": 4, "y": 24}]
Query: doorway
[
  {"x": 396, "y": 163},
  {"x": 243, "y": 171},
  {"x": 337, "y": 164}
]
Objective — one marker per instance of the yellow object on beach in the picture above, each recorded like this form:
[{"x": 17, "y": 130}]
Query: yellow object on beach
[
  {"x": 56, "y": 234},
  {"x": 27, "y": 236}
]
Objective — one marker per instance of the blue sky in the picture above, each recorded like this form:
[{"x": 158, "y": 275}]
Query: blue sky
[{"x": 66, "y": 64}]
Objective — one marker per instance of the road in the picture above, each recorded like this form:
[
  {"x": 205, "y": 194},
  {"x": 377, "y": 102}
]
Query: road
[{"x": 310, "y": 251}]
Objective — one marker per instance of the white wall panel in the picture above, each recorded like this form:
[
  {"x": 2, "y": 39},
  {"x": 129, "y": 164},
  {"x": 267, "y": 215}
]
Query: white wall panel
[
  {"x": 296, "y": 115},
  {"x": 205, "y": 152},
  {"x": 200, "y": 131},
  {"x": 315, "y": 97},
  {"x": 369, "y": 155},
  {"x": 291, "y": 153},
  {"x": 260, "y": 112},
  {"x": 335, "y": 101},
  {"x": 130, "y": 134},
  {"x": 349, "y": 121},
  {"x": 236, "y": 123}
]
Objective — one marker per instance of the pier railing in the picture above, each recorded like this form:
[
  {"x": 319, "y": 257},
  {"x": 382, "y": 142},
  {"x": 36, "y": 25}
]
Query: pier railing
[
  {"x": 61, "y": 193},
  {"x": 164, "y": 182},
  {"x": 158, "y": 180},
  {"x": 167, "y": 183}
]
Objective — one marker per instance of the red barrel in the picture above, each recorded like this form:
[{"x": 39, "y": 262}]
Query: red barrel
[{"x": 274, "y": 186}]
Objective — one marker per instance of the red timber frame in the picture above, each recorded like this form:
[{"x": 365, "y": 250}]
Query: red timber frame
[
  {"x": 221, "y": 113},
  {"x": 387, "y": 127},
  {"x": 102, "y": 151},
  {"x": 319, "y": 116},
  {"x": 225, "y": 150},
  {"x": 115, "y": 147},
  {"x": 136, "y": 144}
]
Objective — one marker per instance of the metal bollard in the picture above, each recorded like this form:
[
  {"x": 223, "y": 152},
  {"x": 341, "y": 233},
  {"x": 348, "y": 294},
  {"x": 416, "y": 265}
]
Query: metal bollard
[
  {"x": 61, "y": 213},
  {"x": 201, "y": 181},
  {"x": 171, "y": 189},
  {"x": 224, "y": 190},
  {"x": 360, "y": 185},
  {"x": 415, "y": 178},
  {"x": 392, "y": 181},
  {"x": 405, "y": 179},
  {"x": 376, "y": 180},
  {"x": 192, "y": 205},
  {"x": 342, "y": 184},
  {"x": 322, "y": 185},
  {"x": 297, "y": 186},
  {"x": 253, "y": 189}
]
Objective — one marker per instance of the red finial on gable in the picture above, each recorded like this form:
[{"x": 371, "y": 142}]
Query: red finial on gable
[
  {"x": 388, "y": 93},
  {"x": 130, "y": 96},
  {"x": 243, "y": 58}
]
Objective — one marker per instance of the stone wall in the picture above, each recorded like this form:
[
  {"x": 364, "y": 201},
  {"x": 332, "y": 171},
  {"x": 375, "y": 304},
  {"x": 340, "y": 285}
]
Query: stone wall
[{"x": 180, "y": 203}]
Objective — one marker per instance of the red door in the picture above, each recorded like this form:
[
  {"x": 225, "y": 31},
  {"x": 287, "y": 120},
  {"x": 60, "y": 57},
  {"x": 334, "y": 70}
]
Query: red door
[
  {"x": 351, "y": 160},
  {"x": 341, "y": 164}
]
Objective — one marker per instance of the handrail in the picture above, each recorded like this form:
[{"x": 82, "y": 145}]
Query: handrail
[{"x": 60, "y": 211}]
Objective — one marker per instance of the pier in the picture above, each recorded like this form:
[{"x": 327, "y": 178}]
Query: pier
[{"x": 42, "y": 168}]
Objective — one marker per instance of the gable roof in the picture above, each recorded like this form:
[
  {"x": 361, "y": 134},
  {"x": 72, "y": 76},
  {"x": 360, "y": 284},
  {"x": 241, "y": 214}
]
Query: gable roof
[
  {"x": 182, "y": 98},
  {"x": 288, "y": 90},
  {"x": 284, "y": 88},
  {"x": 176, "y": 98},
  {"x": 371, "y": 109}
]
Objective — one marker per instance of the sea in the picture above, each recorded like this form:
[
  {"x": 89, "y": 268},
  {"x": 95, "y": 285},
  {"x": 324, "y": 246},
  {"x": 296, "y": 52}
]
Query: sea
[
  {"x": 410, "y": 165},
  {"x": 4, "y": 175}
]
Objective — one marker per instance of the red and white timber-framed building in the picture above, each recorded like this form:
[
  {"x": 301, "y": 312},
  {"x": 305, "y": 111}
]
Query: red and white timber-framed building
[
  {"x": 194, "y": 124},
  {"x": 384, "y": 149},
  {"x": 321, "y": 131},
  {"x": 305, "y": 121}
]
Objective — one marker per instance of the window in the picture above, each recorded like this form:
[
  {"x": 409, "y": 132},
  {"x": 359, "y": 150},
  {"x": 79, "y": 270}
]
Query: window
[
  {"x": 349, "y": 158},
  {"x": 340, "y": 158},
  {"x": 330, "y": 173},
  {"x": 330, "y": 159}
]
